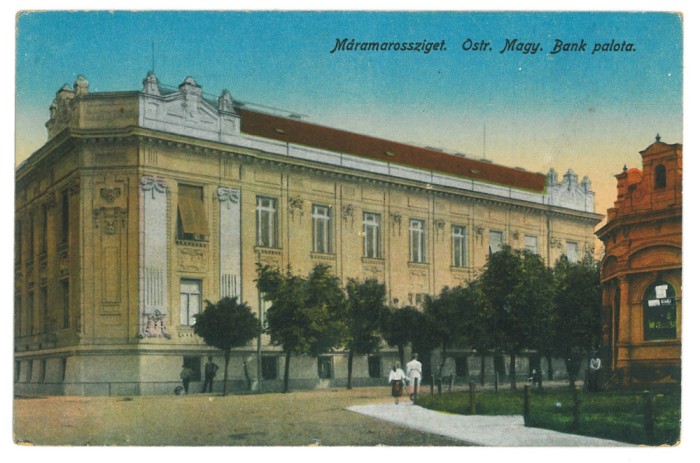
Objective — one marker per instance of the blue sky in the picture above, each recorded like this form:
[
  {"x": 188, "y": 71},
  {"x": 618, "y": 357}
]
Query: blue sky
[{"x": 590, "y": 112}]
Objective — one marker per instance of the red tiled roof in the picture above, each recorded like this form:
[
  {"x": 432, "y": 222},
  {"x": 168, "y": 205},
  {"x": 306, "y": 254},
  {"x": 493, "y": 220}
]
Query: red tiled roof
[{"x": 317, "y": 136}]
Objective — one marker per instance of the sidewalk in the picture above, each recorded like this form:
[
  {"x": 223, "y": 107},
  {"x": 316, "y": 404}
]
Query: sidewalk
[{"x": 488, "y": 431}]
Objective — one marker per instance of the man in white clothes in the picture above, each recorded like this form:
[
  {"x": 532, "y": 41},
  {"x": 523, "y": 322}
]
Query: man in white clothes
[{"x": 415, "y": 373}]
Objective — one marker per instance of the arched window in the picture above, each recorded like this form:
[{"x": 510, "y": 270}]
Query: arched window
[
  {"x": 660, "y": 311},
  {"x": 660, "y": 176}
]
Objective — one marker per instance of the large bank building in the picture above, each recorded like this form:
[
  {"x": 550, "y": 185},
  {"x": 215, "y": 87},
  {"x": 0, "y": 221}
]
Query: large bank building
[{"x": 143, "y": 204}]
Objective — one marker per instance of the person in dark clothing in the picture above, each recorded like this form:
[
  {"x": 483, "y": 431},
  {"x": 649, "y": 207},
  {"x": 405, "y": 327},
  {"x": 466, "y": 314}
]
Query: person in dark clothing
[
  {"x": 210, "y": 370},
  {"x": 186, "y": 376}
]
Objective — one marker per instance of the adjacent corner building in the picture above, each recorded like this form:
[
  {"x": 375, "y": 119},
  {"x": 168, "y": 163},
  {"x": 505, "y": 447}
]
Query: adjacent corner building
[
  {"x": 641, "y": 271},
  {"x": 143, "y": 204}
]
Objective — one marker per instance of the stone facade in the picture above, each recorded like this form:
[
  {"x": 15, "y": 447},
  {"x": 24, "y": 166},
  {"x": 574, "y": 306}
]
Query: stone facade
[
  {"x": 144, "y": 204},
  {"x": 641, "y": 271}
]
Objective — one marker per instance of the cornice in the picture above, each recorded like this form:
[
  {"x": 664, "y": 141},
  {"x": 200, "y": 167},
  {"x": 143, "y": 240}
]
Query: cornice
[
  {"x": 209, "y": 147},
  {"x": 640, "y": 218}
]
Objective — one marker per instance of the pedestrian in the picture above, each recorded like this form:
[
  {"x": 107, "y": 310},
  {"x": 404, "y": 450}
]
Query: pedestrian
[
  {"x": 186, "y": 376},
  {"x": 415, "y": 374},
  {"x": 397, "y": 377},
  {"x": 593, "y": 372},
  {"x": 210, "y": 370}
]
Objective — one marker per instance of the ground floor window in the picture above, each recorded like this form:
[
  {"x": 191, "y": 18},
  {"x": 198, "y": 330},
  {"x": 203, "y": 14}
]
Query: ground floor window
[
  {"x": 194, "y": 364},
  {"x": 375, "y": 366},
  {"x": 325, "y": 367},
  {"x": 269, "y": 367},
  {"x": 461, "y": 367},
  {"x": 190, "y": 300},
  {"x": 660, "y": 311}
]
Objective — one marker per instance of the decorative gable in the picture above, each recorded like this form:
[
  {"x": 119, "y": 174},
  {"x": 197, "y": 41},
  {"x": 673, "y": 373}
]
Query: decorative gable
[{"x": 186, "y": 111}]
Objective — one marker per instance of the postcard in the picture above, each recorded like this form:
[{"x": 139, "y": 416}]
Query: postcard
[{"x": 327, "y": 228}]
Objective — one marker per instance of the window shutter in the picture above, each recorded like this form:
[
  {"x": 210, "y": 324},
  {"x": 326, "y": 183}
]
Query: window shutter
[{"x": 191, "y": 208}]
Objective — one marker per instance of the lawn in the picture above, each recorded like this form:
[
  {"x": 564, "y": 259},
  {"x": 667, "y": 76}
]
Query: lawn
[{"x": 609, "y": 415}]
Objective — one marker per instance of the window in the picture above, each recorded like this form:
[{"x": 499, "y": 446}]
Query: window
[
  {"x": 30, "y": 237},
  {"x": 269, "y": 367},
  {"x": 65, "y": 290},
  {"x": 417, "y": 299},
  {"x": 194, "y": 364},
  {"x": 18, "y": 370},
  {"x": 64, "y": 366},
  {"x": 65, "y": 218},
  {"x": 325, "y": 367},
  {"x": 44, "y": 229},
  {"x": 18, "y": 315},
  {"x": 531, "y": 244},
  {"x": 374, "y": 366},
  {"x": 191, "y": 215},
  {"x": 416, "y": 229},
  {"x": 461, "y": 366},
  {"x": 459, "y": 246},
  {"x": 572, "y": 251},
  {"x": 42, "y": 370},
  {"x": 18, "y": 241},
  {"x": 660, "y": 176},
  {"x": 30, "y": 312},
  {"x": 495, "y": 240},
  {"x": 263, "y": 306},
  {"x": 190, "y": 300},
  {"x": 321, "y": 219},
  {"x": 660, "y": 312},
  {"x": 372, "y": 231},
  {"x": 266, "y": 222},
  {"x": 44, "y": 307}
]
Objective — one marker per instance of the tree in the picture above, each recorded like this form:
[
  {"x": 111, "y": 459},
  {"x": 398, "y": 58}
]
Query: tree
[
  {"x": 306, "y": 315},
  {"x": 517, "y": 288},
  {"x": 366, "y": 309},
  {"x": 577, "y": 311},
  {"x": 449, "y": 320},
  {"x": 225, "y": 325},
  {"x": 398, "y": 326},
  {"x": 477, "y": 333}
]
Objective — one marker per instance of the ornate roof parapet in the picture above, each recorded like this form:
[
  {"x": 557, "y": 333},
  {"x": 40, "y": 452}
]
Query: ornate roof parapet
[
  {"x": 186, "y": 111},
  {"x": 81, "y": 86},
  {"x": 61, "y": 109},
  {"x": 150, "y": 84},
  {"x": 570, "y": 193},
  {"x": 226, "y": 102}
]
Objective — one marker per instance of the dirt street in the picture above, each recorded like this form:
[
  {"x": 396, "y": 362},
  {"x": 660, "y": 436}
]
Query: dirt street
[{"x": 295, "y": 419}]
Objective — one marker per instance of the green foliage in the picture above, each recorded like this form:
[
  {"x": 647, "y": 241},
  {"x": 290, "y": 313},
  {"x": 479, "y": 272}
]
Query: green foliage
[
  {"x": 450, "y": 319},
  {"x": 307, "y": 315},
  {"x": 577, "y": 310},
  {"x": 517, "y": 289},
  {"x": 398, "y": 324},
  {"x": 366, "y": 309},
  {"x": 226, "y": 324},
  {"x": 609, "y": 415}
]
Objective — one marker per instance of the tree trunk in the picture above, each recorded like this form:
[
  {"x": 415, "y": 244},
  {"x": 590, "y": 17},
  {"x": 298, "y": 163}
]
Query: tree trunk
[
  {"x": 483, "y": 369},
  {"x": 351, "y": 354},
  {"x": 287, "y": 360},
  {"x": 570, "y": 362},
  {"x": 511, "y": 373},
  {"x": 443, "y": 359},
  {"x": 550, "y": 369},
  {"x": 401, "y": 355},
  {"x": 227, "y": 357}
]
